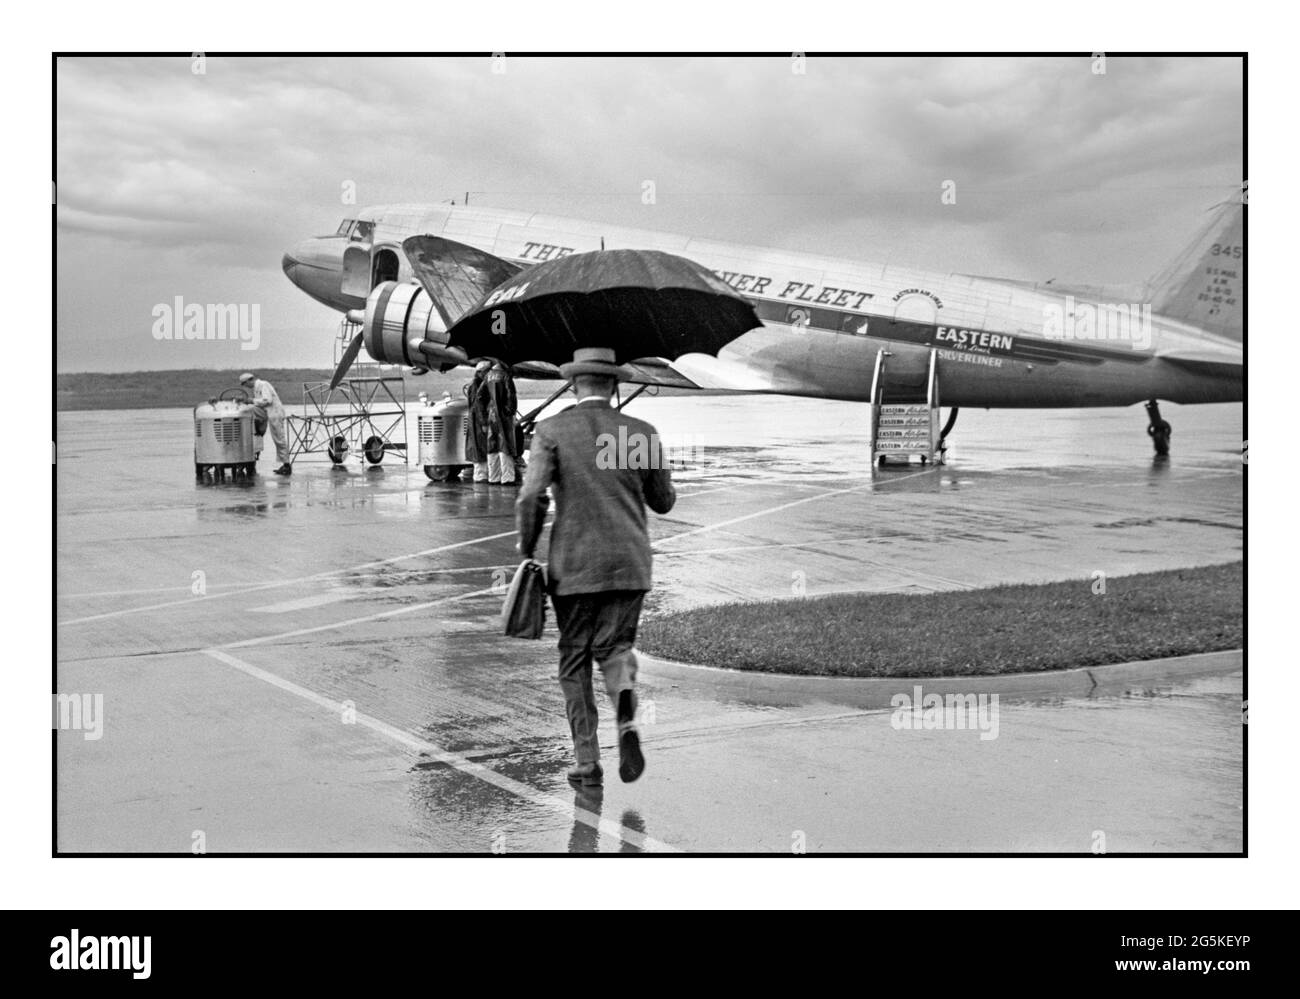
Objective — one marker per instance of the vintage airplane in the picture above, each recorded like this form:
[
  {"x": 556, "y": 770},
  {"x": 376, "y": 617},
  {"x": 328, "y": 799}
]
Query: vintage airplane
[{"x": 902, "y": 339}]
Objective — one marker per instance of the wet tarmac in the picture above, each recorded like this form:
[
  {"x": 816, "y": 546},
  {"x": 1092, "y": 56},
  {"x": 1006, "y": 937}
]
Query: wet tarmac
[{"x": 314, "y": 663}]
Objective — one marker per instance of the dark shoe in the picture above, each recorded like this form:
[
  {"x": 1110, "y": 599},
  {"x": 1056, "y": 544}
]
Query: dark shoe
[
  {"x": 631, "y": 764},
  {"x": 284, "y": 470},
  {"x": 586, "y": 774}
]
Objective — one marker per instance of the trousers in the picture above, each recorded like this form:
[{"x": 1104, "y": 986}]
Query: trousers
[
  {"x": 274, "y": 422},
  {"x": 595, "y": 628},
  {"x": 278, "y": 436},
  {"x": 500, "y": 468}
]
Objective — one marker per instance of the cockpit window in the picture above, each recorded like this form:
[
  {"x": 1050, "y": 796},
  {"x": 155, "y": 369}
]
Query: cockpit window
[{"x": 355, "y": 231}]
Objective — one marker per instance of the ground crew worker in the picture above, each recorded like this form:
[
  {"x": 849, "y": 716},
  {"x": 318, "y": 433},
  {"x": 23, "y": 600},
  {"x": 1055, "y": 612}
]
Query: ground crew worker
[
  {"x": 270, "y": 414},
  {"x": 476, "y": 445},
  {"x": 502, "y": 443}
]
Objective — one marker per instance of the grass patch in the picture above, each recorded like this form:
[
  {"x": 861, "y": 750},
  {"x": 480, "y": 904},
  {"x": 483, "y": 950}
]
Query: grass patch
[{"x": 1003, "y": 629}]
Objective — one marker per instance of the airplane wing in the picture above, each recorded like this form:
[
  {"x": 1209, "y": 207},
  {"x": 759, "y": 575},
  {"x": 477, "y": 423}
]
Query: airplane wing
[
  {"x": 455, "y": 275},
  {"x": 645, "y": 371},
  {"x": 724, "y": 374},
  {"x": 657, "y": 371}
]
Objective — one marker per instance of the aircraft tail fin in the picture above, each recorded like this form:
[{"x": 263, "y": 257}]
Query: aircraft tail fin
[{"x": 1203, "y": 284}]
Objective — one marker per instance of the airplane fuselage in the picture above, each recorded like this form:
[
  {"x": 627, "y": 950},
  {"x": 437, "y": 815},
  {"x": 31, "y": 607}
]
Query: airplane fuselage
[{"x": 825, "y": 319}]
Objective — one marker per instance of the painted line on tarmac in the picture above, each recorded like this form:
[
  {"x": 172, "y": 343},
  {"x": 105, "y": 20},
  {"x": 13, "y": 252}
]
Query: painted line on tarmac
[
  {"x": 291, "y": 582},
  {"x": 182, "y": 588},
  {"x": 306, "y": 603},
  {"x": 791, "y": 504},
  {"x": 538, "y": 799},
  {"x": 689, "y": 553},
  {"x": 364, "y": 619}
]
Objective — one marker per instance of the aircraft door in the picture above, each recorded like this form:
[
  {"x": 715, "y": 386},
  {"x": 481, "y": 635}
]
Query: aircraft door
[
  {"x": 386, "y": 267},
  {"x": 918, "y": 314},
  {"x": 356, "y": 271}
]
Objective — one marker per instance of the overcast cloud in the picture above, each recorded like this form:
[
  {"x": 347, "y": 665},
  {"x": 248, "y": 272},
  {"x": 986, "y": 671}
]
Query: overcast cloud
[{"x": 176, "y": 184}]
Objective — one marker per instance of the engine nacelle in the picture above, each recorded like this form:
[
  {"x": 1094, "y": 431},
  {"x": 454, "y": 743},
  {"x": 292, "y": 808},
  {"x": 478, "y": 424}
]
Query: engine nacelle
[{"x": 399, "y": 317}]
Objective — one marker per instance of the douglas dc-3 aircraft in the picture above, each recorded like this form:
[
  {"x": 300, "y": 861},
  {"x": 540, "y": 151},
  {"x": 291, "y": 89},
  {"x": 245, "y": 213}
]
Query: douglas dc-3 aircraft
[{"x": 832, "y": 327}]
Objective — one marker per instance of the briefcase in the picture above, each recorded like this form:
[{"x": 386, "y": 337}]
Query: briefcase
[{"x": 524, "y": 613}]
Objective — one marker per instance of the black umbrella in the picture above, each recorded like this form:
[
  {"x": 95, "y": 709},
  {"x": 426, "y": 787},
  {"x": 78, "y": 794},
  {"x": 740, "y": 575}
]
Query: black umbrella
[{"x": 640, "y": 303}]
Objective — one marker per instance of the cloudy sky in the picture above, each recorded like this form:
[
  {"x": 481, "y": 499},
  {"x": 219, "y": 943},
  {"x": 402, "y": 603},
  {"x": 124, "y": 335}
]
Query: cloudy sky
[{"x": 171, "y": 183}]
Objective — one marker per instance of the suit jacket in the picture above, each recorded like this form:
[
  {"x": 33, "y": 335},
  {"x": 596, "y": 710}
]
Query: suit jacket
[{"x": 590, "y": 456}]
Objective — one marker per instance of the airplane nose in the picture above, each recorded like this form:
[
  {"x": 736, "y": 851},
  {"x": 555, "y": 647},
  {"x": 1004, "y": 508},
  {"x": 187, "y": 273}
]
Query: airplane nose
[
  {"x": 316, "y": 267},
  {"x": 302, "y": 257}
]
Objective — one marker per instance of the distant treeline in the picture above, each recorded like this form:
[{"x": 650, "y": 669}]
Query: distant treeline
[{"x": 191, "y": 386}]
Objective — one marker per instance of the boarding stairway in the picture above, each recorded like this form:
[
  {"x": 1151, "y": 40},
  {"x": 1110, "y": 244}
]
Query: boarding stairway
[
  {"x": 905, "y": 413},
  {"x": 364, "y": 415}
]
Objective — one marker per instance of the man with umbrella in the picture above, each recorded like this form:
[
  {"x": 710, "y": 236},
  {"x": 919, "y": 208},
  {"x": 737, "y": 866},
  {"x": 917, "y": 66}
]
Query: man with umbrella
[
  {"x": 599, "y": 562},
  {"x": 650, "y": 304}
]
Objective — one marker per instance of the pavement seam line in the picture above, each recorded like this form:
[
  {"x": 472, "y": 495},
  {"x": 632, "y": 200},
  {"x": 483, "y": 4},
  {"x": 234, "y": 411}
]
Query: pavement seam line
[
  {"x": 787, "y": 506},
  {"x": 534, "y": 797}
]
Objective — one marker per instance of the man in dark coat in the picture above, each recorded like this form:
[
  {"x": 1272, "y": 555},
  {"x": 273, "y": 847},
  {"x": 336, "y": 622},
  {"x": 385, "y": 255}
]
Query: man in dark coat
[
  {"x": 499, "y": 388},
  {"x": 476, "y": 444},
  {"x": 593, "y": 458}
]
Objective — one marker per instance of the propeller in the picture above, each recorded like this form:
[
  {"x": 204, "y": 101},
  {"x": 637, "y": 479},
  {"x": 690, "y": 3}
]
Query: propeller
[{"x": 345, "y": 362}]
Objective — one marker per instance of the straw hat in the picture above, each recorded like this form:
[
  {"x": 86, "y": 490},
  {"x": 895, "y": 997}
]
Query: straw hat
[{"x": 595, "y": 361}]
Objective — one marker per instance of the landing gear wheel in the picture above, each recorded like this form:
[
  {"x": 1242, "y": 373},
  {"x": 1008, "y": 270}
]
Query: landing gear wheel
[
  {"x": 1158, "y": 429},
  {"x": 374, "y": 450},
  {"x": 338, "y": 449}
]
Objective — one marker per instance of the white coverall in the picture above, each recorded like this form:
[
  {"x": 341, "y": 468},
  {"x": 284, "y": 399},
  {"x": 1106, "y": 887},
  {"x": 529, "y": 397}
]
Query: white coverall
[{"x": 266, "y": 399}]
